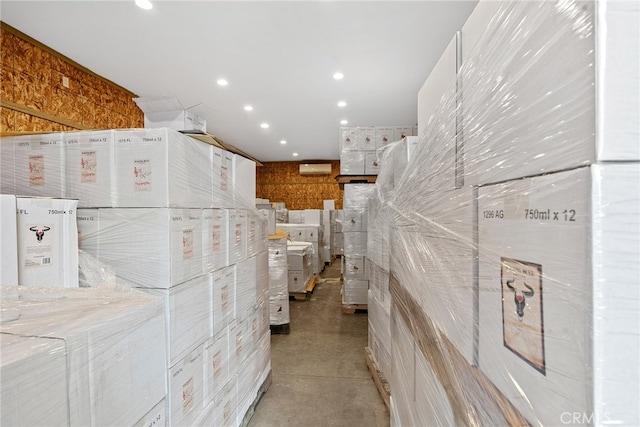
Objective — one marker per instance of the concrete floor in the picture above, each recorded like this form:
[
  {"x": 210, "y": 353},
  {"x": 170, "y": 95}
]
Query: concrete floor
[{"x": 319, "y": 374}]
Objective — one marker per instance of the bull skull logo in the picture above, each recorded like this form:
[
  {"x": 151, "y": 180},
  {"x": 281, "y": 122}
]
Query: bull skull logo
[
  {"x": 520, "y": 297},
  {"x": 39, "y": 231}
]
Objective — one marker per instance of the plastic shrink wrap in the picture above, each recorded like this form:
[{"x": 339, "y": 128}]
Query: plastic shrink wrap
[
  {"x": 174, "y": 217},
  {"x": 278, "y": 280},
  {"x": 86, "y": 356},
  {"x": 514, "y": 226}
]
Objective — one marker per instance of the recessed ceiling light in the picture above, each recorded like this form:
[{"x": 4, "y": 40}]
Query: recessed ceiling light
[
  {"x": 295, "y": 154},
  {"x": 222, "y": 82},
  {"x": 343, "y": 122},
  {"x": 338, "y": 76},
  {"x": 342, "y": 104},
  {"x": 248, "y": 108},
  {"x": 283, "y": 142},
  {"x": 144, "y": 4},
  {"x": 264, "y": 125}
]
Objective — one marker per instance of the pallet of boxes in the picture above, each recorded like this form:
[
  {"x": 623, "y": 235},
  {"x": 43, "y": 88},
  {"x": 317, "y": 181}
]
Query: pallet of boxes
[
  {"x": 515, "y": 225},
  {"x": 181, "y": 334}
]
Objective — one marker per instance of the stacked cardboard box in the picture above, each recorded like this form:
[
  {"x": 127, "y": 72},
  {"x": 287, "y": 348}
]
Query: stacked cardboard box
[
  {"x": 310, "y": 233},
  {"x": 354, "y": 227},
  {"x": 504, "y": 223},
  {"x": 300, "y": 264},
  {"x": 358, "y": 147},
  {"x": 278, "y": 280},
  {"x": 175, "y": 217}
]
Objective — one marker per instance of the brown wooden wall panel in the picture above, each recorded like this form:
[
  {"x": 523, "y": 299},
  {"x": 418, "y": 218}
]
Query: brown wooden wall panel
[
  {"x": 282, "y": 182},
  {"x": 31, "y": 76}
]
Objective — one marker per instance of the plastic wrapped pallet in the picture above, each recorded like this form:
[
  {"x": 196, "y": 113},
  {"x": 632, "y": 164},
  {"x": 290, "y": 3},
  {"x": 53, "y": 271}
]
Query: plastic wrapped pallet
[
  {"x": 106, "y": 361},
  {"x": 279, "y": 280},
  {"x": 300, "y": 256},
  {"x": 504, "y": 222}
]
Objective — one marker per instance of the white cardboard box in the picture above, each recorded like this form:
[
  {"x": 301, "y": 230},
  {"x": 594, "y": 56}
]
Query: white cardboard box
[
  {"x": 328, "y": 204},
  {"x": 156, "y": 417},
  {"x": 559, "y": 286},
  {"x": 215, "y": 365},
  {"x": 114, "y": 346},
  {"x": 575, "y": 103},
  {"x": 279, "y": 310},
  {"x": 238, "y": 235},
  {"x": 186, "y": 389},
  {"x": 163, "y": 246},
  {"x": 34, "y": 381},
  {"x": 90, "y": 167},
  {"x": 7, "y": 165},
  {"x": 215, "y": 240},
  {"x": 162, "y": 168},
  {"x": 371, "y": 164},
  {"x": 166, "y": 111},
  {"x": 188, "y": 313},
  {"x": 47, "y": 242},
  {"x": 384, "y": 136},
  {"x": 40, "y": 163},
  {"x": 245, "y": 287},
  {"x": 356, "y": 196},
  {"x": 244, "y": 182},
  {"x": 352, "y": 162},
  {"x": 222, "y": 181},
  {"x": 355, "y": 291},
  {"x": 224, "y": 298},
  {"x": 8, "y": 240},
  {"x": 437, "y": 95},
  {"x": 401, "y": 132},
  {"x": 354, "y": 267}
]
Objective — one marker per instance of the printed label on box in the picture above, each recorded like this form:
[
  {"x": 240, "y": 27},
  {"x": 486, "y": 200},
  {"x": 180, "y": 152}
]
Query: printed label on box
[
  {"x": 224, "y": 178},
  {"x": 254, "y": 329},
  {"x": 215, "y": 238},
  {"x": 39, "y": 251},
  {"x": 142, "y": 175},
  {"x": 238, "y": 234},
  {"x": 239, "y": 344},
  {"x": 187, "y": 243},
  {"x": 217, "y": 364},
  {"x": 227, "y": 412},
  {"x": 187, "y": 395},
  {"x": 224, "y": 297},
  {"x": 88, "y": 167},
  {"x": 36, "y": 170},
  {"x": 522, "y": 321}
]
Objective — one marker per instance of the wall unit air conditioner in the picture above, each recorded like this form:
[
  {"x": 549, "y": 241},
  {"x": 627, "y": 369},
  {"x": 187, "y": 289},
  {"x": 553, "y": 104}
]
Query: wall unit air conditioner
[{"x": 315, "y": 168}]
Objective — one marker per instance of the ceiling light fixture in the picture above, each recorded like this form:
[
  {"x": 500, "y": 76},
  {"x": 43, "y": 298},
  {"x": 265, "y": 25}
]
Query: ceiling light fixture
[
  {"x": 342, "y": 104},
  {"x": 144, "y": 4},
  {"x": 343, "y": 122},
  {"x": 295, "y": 154},
  {"x": 222, "y": 82},
  {"x": 264, "y": 125},
  {"x": 283, "y": 142},
  {"x": 338, "y": 76},
  {"x": 248, "y": 108}
]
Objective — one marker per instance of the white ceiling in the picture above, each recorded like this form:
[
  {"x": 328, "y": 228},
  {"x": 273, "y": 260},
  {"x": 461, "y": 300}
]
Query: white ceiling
[{"x": 277, "y": 56}]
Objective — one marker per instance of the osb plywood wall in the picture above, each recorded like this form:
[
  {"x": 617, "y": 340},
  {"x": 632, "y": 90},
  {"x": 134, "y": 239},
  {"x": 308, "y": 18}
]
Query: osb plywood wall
[
  {"x": 36, "y": 99},
  {"x": 282, "y": 182}
]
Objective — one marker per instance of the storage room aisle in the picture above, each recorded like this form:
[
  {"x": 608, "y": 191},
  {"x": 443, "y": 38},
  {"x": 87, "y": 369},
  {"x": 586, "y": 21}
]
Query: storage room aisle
[{"x": 319, "y": 374}]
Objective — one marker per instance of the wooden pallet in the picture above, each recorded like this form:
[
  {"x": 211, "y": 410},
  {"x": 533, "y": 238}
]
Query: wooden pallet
[
  {"x": 352, "y": 308},
  {"x": 303, "y": 296},
  {"x": 355, "y": 179},
  {"x": 252, "y": 409},
  {"x": 381, "y": 383},
  {"x": 280, "y": 329}
]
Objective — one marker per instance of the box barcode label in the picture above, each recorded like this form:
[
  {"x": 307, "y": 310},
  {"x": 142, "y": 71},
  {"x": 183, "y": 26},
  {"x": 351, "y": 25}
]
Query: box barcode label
[{"x": 46, "y": 260}]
